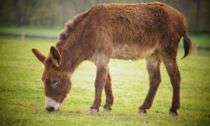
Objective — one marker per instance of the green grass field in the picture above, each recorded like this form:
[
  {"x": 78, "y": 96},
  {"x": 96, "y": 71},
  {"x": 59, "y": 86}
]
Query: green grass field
[{"x": 22, "y": 98}]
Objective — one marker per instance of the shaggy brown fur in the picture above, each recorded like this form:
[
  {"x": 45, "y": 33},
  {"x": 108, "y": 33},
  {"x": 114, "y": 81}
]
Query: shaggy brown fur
[{"x": 125, "y": 31}]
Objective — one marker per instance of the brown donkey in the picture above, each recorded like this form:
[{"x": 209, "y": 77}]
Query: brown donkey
[{"x": 150, "y": 31}]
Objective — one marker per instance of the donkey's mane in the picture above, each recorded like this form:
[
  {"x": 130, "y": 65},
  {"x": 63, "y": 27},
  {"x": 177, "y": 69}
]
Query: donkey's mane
[{"x": 70, "y": 25}]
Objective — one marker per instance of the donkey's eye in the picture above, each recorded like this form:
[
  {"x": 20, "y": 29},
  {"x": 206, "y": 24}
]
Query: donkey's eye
[{"x": 55, "y": 83}]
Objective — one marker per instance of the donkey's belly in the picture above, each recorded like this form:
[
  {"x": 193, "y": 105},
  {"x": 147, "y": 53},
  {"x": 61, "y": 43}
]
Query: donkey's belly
[{"x": 131, "y": 52}]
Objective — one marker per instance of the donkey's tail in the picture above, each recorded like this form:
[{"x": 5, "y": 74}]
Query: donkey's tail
[{"x": 187, "y": 45}]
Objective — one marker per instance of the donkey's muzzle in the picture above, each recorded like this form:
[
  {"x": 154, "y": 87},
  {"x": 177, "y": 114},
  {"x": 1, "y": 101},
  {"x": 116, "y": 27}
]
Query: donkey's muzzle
[{"x": 50, "y": 109}]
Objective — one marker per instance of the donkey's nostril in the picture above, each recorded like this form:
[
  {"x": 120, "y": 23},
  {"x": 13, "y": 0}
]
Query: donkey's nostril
[{"x": 50, "y": 109}]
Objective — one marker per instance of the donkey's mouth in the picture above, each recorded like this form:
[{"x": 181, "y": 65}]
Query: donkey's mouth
[
  {"x": 50, "y": 109},
  {"x": 51, "y": 105}
]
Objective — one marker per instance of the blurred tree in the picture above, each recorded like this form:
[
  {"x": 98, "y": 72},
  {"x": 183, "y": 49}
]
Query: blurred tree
[
  {"x": 16, "y": 11},
  {"x": 198, "y": 10},
  {"x": 57, "y": 12},
  {"x": 46, "y": 12}
]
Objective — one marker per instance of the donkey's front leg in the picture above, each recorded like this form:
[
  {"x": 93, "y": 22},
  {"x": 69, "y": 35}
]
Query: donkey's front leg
[
  {"x": 101, "y": 78},
  {"x": 109, "y": 95}
]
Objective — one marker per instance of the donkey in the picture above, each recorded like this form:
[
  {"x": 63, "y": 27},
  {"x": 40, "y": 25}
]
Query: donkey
[{"x": 149, "y": 31}]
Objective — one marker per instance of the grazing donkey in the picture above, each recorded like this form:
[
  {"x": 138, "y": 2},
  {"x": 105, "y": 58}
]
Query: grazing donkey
[{"x": 150, "y": 31}]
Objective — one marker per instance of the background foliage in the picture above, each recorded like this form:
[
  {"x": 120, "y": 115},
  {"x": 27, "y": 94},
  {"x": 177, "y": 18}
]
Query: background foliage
[{"x": 57, "y": 12}]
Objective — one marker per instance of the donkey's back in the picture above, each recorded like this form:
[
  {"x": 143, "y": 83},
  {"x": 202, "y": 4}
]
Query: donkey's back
[{"x": 133, "y": 31}]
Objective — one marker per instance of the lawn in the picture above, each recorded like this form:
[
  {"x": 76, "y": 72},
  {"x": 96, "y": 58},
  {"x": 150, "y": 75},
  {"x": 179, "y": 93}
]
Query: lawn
[{"x": 22, "y": 98}]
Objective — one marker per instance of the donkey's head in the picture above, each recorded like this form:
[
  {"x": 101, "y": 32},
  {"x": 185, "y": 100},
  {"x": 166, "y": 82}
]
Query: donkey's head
[{"x": 55, "y": 78}]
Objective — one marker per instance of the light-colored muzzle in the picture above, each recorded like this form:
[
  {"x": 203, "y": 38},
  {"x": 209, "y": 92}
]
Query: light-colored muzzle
[{"x": 51, "y": 105}]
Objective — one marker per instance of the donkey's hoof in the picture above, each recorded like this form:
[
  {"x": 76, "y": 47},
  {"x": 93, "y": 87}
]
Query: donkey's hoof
[
  {"x": 93, "y": 111},
  {"x": 106, "y": 109},
  {"x": 141, "y": 111},
  {"x": 173, "y": 113}
]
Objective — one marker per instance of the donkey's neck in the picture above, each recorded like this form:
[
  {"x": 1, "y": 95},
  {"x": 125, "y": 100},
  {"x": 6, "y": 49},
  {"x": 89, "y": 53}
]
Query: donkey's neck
[
  {"x": 71, "y": 58},
  {"x": 73, "y": 50}
]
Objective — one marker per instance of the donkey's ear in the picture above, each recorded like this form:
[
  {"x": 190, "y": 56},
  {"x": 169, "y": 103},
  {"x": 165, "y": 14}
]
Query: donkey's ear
[
  {"x": 55, "y": 56},
  {"x": 38, "y": 55}
]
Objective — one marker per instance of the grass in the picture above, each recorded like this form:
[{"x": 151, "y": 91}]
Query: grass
[{"x": 22, "y": 98}]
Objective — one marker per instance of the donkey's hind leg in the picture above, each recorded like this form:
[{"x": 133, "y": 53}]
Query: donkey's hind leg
[
  {"x": 109, "y": 95},
  {"x": 173, "y": 71},
  {"x": 153, "y": 63}
]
